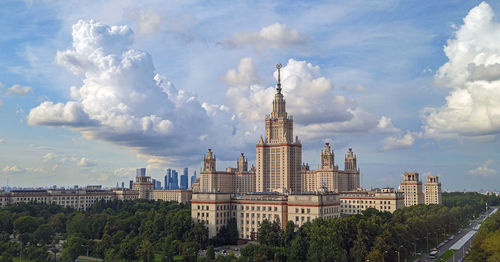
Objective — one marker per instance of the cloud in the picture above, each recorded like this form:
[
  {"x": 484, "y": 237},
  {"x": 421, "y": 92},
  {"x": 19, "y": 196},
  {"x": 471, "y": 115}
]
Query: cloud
[
  {"x": 19, "y": 90},
  {"x": 309, "y": 96},
  {"x": 398, "y": 142},
  {"x": 472, "y": 74},
  {"x": 246, "y": 74},
  {"x": 2, "y": 140},
  {"x": 85, "y": 162},
  {"x": 123, "y": 101},
  {"x": 13, "y": 169},
  {"x": 50, "y": 114},
  {"x": 385, "y": 125},
  {"x": 125, "y": 172},
  {"x": 16, "y": 170},
  {"x": 484, "y": 169},
  {"x": 49, "y": 157},
  {"x": 148, "y": 20},
  {"x": 276, "y": 36},
  {"x": 1, "y": 103},
  {"x": 1, "y": 84},
  {"x": 358, "y": 88}
]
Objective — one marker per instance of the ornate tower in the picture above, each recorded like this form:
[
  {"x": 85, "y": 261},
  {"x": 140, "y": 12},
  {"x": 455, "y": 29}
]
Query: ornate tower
[
  {"x": 242, "y": 163},
  {"x": 350, "y": 161},
  {"x": 209, "y": 161},
  {"x": 278, "y": 156},
  {"x": 327, "y": 157}
]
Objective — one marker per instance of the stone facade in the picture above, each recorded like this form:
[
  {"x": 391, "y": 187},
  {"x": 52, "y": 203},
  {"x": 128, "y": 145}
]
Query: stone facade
[
  {"x": 249, "y": 210},
  {"x": 432, "y": 190},
  {"x": 411, "y": 186},
  {"x": 384, "y": 200},
  {"x": 80, "y": 199}
]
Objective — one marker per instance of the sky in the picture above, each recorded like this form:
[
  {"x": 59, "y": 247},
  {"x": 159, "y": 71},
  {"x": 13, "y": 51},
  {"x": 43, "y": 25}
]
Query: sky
[{"x": 92, "y": 90}]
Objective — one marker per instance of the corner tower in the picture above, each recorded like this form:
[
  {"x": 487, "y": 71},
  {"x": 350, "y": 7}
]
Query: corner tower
[{"x": 278, "y": 156}]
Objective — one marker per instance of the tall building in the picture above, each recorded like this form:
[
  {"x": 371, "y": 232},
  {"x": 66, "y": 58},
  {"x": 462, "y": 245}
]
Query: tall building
[
  {"x": 143, "y": 184},
  {"x": 193, "y": 178},
  {"x": 167, "y": 179},
  {"x": 130, "y": 183},
  {"x": 432, "y": 190},
  {"x": 279, "y": 165},
  {"x": 184, "y": 179},
  {"x": 328, "y": 174},
  {"x": 278, "y": 155},
  {"x": 175, "y": 180},
  {"x": 141, "y": 171},
  {"x": 411, "y": 186}
]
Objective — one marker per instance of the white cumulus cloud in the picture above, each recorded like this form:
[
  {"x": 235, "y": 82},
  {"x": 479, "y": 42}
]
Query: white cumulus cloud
[
  {"x": 385, "y": 125},
  {"x": 123, "y": 101},
  {"x": 19, "y": 90},
  {"x": 85, "y": 162},
  {"x": 277, "y": 36},
  {"x": 398, "y": 142},
  {"x": 472, "y": 74},
  {"x": 484, "y": 169}
]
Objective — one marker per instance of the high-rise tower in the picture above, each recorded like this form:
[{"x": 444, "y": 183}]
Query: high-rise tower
[{"x": 278, "y": 156}]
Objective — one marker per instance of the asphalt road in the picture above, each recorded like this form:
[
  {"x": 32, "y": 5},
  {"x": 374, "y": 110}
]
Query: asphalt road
[{"x": 460, "y": 253}]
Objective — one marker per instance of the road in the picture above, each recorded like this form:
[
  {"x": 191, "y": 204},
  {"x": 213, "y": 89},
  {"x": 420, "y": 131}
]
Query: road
[{"x": 473, "y": 226}]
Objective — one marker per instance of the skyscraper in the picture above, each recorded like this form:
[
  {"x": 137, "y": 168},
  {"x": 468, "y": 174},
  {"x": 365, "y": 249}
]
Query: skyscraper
[
  {"x": 175, "y": 180},
  {"x": 141, "y": 171},
  {"x": 193, "y": 178},
  {"x": 184, "y": 179},
  {"x": 168, "y": 176},
  {"x": 131, "y": 182},
  {"x": 278, "y": 156}
]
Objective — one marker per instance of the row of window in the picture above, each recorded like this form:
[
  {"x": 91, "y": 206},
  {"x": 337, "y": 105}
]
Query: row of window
[{"x": 365, "y": 201}]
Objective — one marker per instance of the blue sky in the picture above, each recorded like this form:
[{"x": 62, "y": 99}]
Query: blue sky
[{"x": 90, "y": 91}]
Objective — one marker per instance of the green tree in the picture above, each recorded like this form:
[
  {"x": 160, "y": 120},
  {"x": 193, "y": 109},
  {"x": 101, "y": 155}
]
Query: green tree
[
  {"x": 27, "y": 224},
  {"x": 43, "y": 234},
  {"x": 269, "y": 233},
  {"x": 145, "y": 252},
  {"x": 75, "y": 247},
  {"x": 211, "y": 252},
  {"x": 298, "y": 249}
]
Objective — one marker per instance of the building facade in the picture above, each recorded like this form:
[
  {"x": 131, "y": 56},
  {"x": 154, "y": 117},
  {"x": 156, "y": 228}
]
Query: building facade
[
  {"x": 250, "y": 210},
  {"x": 384, "y": 200},
  {"x": 146, "y": 190},
  {"x": 432, "y": 190},
  {"x": 411, "y": 186},
  {"x": 80, "y": 199}
]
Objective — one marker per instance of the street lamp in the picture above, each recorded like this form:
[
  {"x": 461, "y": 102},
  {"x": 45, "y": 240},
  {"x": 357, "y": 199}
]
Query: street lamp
[
  {"x": 415, "y": 254},
  {"x": 399, "y": 253},
  {"x": 427, "y": 241}
]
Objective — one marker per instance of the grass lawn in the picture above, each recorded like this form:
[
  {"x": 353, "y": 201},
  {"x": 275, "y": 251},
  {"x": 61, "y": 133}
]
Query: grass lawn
[
  {"x": 446, "y": 256},
  {"x": 16, "y": 259}
]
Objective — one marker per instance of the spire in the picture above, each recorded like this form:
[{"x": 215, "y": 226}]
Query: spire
[{"x": 278, "y": 66}]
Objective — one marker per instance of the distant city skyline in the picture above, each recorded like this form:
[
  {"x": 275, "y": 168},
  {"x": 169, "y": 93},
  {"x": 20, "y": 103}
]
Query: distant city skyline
[{"x": 89, "y": 91}]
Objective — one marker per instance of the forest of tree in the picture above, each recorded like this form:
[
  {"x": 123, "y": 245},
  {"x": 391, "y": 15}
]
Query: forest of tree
[{"x": 142, "y": 230}]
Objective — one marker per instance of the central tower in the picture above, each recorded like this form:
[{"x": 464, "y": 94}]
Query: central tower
[{"x": 278, "y": 156}]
